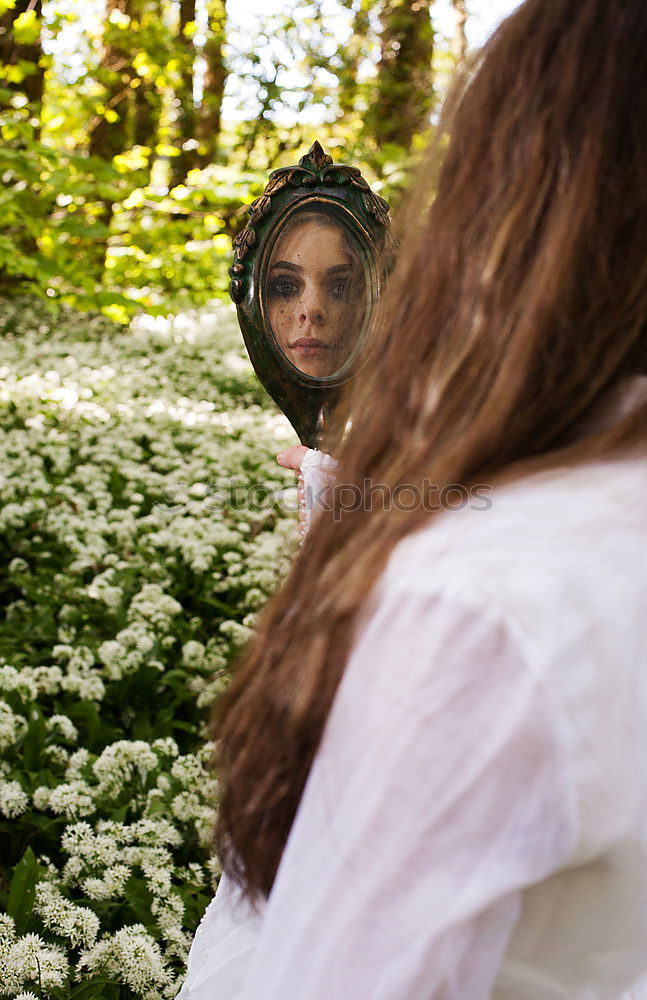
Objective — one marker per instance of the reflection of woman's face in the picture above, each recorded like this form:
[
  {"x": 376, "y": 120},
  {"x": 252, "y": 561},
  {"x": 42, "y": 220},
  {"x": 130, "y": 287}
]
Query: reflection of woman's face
[{"x": 315, "y": 295}]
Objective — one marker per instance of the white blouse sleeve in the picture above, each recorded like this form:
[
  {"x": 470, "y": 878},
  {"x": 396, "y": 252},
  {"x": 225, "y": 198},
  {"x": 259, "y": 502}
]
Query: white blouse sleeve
[
  {"x": 317, "y": 474},
  {"x": 222, "y": 946},
  {"x": 441, "y": 790}
]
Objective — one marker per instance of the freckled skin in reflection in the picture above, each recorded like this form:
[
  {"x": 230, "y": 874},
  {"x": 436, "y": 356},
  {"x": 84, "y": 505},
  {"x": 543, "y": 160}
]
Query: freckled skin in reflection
[{"x": 316, "y": 293}]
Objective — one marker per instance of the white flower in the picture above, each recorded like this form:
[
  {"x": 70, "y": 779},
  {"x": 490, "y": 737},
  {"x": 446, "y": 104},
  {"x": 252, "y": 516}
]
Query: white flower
[
  {"x": 151, "y": 604},
  {"x": 47, "y": 679},
  {"x": 111, "y": 653},
  {"x": 102, "y": 430},
  {"x": 76, "y": 764},
  {"x": 131, "y": 955},
  {"x": 93, "y": 850},
  {"x": 193, "y": 654},
  {"x": 57, "y": 754},
  {"x": 17, "y": 566},
  {"x": 197, "y": 873},
  {"x": 89, "y": 686},
  {"x": 120, "y": 761},
  {"x": 165, "y": 746},
  {"x": 64, "y": 726},
  {"x": 12, "y": 726},
  {"x": 7, "y": 929},
  {"x": 62, "y": 652},
  {"x": 157, "y": 832},
  {"x": 81, "y": 659},
  {"x": 101, "y": 589},
  {"x": 110, "y": 886},
  {"x": 71, "y": 799},
  {"x": 21, "y": 681},
  {"x": 13, "y": 799},
  {"x": 187, "y": 807},
  {"x": 190, "y": 769},
  {"x": 78, "y": 924},
  {"x": 237, "y": 634},
  {"x": 29, "y": 960},
  {"x": 128, "y": 651},
  {"x": 41, "y": 797}
]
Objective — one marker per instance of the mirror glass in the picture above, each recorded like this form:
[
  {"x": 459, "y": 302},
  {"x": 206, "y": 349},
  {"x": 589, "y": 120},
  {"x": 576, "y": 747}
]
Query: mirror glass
[
  {"x": 307, "y": 273},
  {"x": 317, "y": 293}
]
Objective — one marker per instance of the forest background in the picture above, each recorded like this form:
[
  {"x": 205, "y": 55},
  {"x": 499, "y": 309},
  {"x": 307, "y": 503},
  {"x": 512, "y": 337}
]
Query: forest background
[
  {"x": 135, "y": 133},
  {"x": 143, "y": 517}
]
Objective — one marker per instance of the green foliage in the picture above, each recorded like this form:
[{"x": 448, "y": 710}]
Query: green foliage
[
  {"x": 115, "y": 231},
  {"x": 49, "y": 216},
  {"x": 176, "y": 246},
  {"x": 135, "y": 558}
]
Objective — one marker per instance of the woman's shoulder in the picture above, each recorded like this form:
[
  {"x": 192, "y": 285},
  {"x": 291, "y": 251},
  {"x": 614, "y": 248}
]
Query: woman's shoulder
[
  {"x": 560, "y": 558},
  {"x": 559, "y": 562},
  {"x": 562, "y": 522}
]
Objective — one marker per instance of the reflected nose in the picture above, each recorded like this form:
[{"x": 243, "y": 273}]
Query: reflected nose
[{"x": 311, "y": 310}]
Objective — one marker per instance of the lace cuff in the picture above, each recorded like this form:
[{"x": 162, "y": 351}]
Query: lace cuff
[{"x": 316, "y": 476}]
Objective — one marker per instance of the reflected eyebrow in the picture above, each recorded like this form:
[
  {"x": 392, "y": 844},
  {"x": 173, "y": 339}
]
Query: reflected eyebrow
[{"x": 288, "y": 265}]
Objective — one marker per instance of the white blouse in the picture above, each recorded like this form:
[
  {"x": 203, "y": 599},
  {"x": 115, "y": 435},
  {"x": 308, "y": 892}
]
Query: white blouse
[{"x": 474, "y": 825}]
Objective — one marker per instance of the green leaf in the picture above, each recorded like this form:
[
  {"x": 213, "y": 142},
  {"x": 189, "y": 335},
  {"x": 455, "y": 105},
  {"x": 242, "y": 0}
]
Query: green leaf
[
  {"x": 76, "y": 225},
  {"x": 22, "y": 892},
  {"x": 87, "y": 989},
  {"x": 26, "y": 28},
  {"x": 34, "y": 740}
]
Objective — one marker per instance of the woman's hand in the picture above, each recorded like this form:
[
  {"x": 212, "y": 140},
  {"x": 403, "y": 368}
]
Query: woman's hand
[
  {"x": 292, "y": 458},
  {"x": 315, "y": 472}
]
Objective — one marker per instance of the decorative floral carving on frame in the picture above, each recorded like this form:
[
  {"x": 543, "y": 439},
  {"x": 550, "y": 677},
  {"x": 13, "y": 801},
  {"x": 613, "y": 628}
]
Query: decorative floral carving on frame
[{"x": 315, "y": 169}]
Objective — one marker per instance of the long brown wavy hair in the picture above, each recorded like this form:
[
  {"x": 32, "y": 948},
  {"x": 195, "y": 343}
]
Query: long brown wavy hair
[{"x": 519, "y": 300}]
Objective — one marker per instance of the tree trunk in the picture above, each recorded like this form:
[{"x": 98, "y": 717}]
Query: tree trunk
[
  {"x": 352, "y": 55},
  {"x": 404, "y": 90},
  {"x": 148, "y": 107},
  {"x": 148, "y": 98},
  {"x": 209, "y": 115},
  {"x": 185, "y": 104},
  {"x": 31, "y": 86},
  {"x": 12, "y": 52},
  {"x": 459, "y": 41},
  {"x": 111, "y": 134},
  {"x": 112, "y": 131}
]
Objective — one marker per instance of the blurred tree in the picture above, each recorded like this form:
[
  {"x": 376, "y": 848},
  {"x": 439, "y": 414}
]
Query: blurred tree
[
  {"x": 184, "y": 94},
  {"x": 289, "y": 71},
  {"x": 22, "y": 67},
  {"x": 131, "y": 75},
  {"x": 353, "y": 54},
  {"x": 148, "y": 80},
  {"x": 110, "y": 132},
  {"x": 459, "y": 42},
  {"x": 22, "y": 77},
  {"x": 198, "y": 126},
  {"x": 215, "y": 77},
  {"x": 133, "y": 81},
  {"x": 404, "y": 85}
]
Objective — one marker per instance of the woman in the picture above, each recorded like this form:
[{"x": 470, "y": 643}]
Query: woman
[
  {"x": 316, "y": 294},
  {"x": 434, "y": 756}
]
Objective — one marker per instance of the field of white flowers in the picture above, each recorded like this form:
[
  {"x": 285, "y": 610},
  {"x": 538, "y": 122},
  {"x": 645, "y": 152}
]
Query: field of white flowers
[{"x": 143, "y": 520}]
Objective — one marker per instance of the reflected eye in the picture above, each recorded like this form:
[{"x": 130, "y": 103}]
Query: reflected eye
[
  {"x": 339, "y": 288},
  {"x": 283, "y": 286}
]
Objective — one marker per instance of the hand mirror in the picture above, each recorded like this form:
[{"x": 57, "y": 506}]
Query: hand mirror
[{"x": 307, "y": 273}]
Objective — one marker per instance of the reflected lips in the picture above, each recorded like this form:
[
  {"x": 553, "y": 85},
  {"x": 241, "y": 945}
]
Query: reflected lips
[{"x": 309, "y": 345}]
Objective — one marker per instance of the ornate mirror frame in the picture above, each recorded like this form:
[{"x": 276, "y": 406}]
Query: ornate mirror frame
[{"x": 338, "y": 191}]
